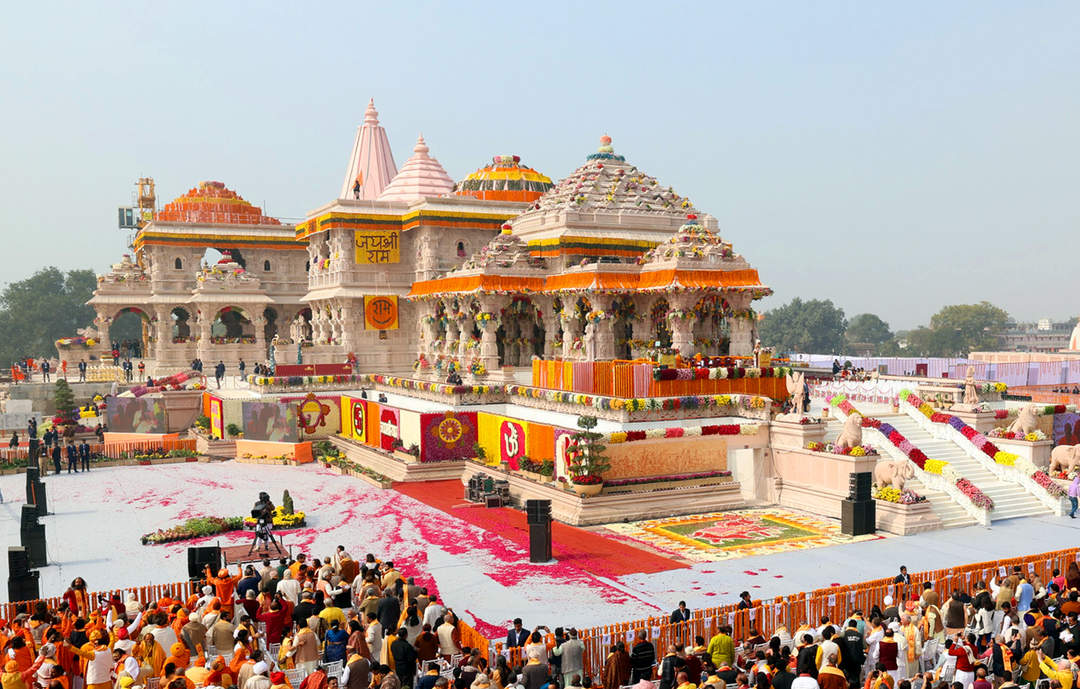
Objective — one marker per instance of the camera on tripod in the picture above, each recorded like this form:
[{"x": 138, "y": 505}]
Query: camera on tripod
[{"x": 263, "y": 511}]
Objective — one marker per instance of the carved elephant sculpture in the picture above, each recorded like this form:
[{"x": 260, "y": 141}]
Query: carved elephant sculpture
[
  {"x": 851, "y": 435},
  {"x": 1026, "y": 422},
  {"x": 1064, "y": 458},
  {"x": 895, "y": 474}
]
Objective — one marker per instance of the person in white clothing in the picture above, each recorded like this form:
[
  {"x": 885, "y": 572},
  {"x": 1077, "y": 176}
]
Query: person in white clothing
[
  {"x": 289, "y": 587},
  {"x": 374, "y": 636},
  {"x": 434, "y": 612},
  {"x": 804, "y": 681}
]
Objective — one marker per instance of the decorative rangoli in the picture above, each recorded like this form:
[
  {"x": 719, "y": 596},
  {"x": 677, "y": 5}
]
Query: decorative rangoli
[{"x": 737, "y": 533}]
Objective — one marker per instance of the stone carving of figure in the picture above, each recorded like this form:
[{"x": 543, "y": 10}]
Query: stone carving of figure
[
  {"x": 795, "y": 384},
  {"x": 589, "y": 339},
  {"x": 971, "y": 396}
]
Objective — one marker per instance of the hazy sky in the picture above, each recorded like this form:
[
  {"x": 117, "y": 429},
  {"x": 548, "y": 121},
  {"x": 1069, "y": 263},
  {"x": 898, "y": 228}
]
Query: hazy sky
[{"x": 892, "y": 158}]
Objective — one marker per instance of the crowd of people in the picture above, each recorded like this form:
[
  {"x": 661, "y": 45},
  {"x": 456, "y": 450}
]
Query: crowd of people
[
  {"x": 360, "y": 624},
  {"x": 287, "y": 625}
]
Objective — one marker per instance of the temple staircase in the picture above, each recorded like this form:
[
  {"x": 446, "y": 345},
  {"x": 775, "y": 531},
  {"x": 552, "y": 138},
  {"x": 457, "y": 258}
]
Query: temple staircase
[
  {"x": 951, "y": 514},
  {"x": 1010, "y": 499}
]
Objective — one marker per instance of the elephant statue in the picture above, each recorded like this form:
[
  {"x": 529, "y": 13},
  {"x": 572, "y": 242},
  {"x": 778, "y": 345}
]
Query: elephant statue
[
  {"x": 851, "y": 435},
  {"x": 1064, "y": 458},
  {"x": 895, "y": 474},
  {"x": 1026, "y": 421}
]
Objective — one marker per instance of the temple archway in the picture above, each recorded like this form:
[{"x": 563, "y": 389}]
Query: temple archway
[
  {"x": 623, "y": 311},
  {"x": 181, "y": 325},
  {"x": 270, "y": 326},
  {"x": 129, "y": 332},
  {"x": 711, "y": 334},
  {"x": 231, "y": 325},
  {"x": 300, "y": 328},
  {"x": 661, "y": 330}
]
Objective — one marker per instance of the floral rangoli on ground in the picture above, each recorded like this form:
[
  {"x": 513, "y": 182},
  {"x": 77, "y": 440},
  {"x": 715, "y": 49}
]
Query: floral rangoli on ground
[{"x": 737, "y": 533}]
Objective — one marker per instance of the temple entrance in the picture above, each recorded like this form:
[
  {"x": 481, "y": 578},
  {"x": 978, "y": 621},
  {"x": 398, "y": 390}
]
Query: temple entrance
[
  {"x": 711, "y": 335},
  {"x": 623, "y": 311},
  {"x": 300, "y": 328},
  {"x": 517, "y": 337},
  {"x": 129, "y": 332},
  {"x": 270, "y": 329},
  {"x": 661, "y": 330},
  {"x": 232, "y": 326},
  {"x": 181, "y": 325}
]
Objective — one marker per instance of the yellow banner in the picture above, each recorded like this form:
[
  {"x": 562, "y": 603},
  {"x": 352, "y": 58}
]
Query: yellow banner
[
  {"x": 381, "y": 313},
  {"x": 378, "y": 246}
]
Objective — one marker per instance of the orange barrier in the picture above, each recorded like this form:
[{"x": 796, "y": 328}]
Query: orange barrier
[
  {"x": 1045, "y": 394},
  {"x": 792, "y": 610},
  {"x": 615, "y": 378}
]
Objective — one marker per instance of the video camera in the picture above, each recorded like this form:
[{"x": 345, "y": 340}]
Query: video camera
[{"x": 263, "y": 510}]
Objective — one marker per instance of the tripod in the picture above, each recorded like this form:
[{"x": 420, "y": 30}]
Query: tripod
[{"x": 264, "y": 532}]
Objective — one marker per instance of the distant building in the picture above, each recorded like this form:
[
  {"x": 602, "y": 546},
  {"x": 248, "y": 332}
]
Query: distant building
[{"x": 1042, "y": 336}]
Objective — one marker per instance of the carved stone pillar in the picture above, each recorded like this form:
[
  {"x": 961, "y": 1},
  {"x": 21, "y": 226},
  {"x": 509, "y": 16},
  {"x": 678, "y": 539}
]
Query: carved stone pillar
[
  {"x": 162, "y": 333},
  {"x": 642, "y": 332},
  {"x": 204, "y": 324},
  {"x": 259, "y": 322},
  {"x": 551, "y": 322},
  {"x": 102, "y": 325},
  {"x": 742, "y": 334},
  {"x": 465, "y": 327},
  {"x": 681, "y": 323}
]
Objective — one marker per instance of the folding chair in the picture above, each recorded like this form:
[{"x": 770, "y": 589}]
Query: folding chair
[{"x": 294, "y": 677}]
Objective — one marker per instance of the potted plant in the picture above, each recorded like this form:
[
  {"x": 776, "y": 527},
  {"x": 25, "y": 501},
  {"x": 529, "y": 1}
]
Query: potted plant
[
  {"x": 234, "y": 431},
  {"x": 479, "y": 453},
  {"x": 587, "y": 460}
]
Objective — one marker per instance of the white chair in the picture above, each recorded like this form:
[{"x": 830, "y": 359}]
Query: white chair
[
  {"x": 335, "y": 668},
  {"x": 153, "y": 683},
  {"x": 295, "y": 677},
  {"x": 273, "y": 650}
]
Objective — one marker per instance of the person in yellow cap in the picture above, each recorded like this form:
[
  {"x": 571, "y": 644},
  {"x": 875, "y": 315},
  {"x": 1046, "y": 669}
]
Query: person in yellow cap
[{"x": 13, "y": 678}]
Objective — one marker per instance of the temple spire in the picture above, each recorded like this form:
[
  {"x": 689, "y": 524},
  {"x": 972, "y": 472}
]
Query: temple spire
[{"x": 371, "y": 165}]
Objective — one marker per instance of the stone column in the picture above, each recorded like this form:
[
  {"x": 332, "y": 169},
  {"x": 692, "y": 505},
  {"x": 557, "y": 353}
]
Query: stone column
[
  {"x": 489, "y": 348},
  {"x": 259, "y": 323},
  {"x": 682, "y": 327},
  {"x": 742, "y": 335},
  {"x": 162, "y": 333},
  {"x": 550, "y": 319},
  {"x": 205, "y": 321},
  {"x": 101, "y": 322},
  {"x": 642, "y": 331},
  {"x": 464, "y": 334},
  {"x": 603, "y": 330}
]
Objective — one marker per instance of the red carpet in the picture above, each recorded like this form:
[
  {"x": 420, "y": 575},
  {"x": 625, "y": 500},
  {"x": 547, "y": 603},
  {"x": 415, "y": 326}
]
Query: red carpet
[{"x": 583, "y": 549}]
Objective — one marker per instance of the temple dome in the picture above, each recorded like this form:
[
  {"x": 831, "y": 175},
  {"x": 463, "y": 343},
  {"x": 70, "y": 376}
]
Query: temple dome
[
  {"x": 505, "y": 179},
  {"x": 607, "y": 183},
  {"x": 420, "y": 176},
  {"x": 212, "y": 203}
]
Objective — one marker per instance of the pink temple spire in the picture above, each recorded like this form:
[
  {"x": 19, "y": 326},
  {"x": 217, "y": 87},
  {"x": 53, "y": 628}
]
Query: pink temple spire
[{"x": 371, "y": 165}]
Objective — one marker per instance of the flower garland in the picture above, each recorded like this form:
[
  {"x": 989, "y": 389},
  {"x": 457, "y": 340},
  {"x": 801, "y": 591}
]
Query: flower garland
[
  {"x": 1033, "y": 437},
  {"x": 718, "y": 373},
  {"x": 994, "y": 387},
  {"x": 830, "y": 448},
  {"x": 641, "y": 480},
  {"x": 981, "y": 442},
  {"x": 681, "y": 432},
  {"x": 638, "y": 403},
  {"x": 904, "y": 497}
]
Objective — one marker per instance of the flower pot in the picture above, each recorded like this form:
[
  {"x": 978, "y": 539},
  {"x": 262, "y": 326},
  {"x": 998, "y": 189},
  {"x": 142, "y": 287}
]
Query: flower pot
[{"x": 587, "y": 490}]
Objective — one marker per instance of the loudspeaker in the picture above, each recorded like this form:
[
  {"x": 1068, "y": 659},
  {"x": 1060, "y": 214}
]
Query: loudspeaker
[
  {"x": 18, "y": 560},
  {"x": 859, "y": 486},
  {"x": 41, "y": 501},
  {"x": 29, "y": 517},
  {"x": 24, "y": 588},
  {"x": 540, "y": 542},
  {"x": 198, "y": 557},
  {"x": 33, "y": 539},
  {"x": 35, "y": 449},
  {"x": 33, "y": 477},
  {"x": 538, "y": 511},
  {"x": 858, "y": 518}
]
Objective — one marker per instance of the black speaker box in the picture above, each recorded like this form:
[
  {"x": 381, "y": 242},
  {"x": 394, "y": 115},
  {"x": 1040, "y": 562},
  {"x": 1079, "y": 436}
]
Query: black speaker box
[
  {"x": 859, "y": 486},
  {"x": 18, "y": 560},
  {"x": 540, "y": 542},
  {"x": 41, "y": 500},
  {"x": 33, "y": 477},
  {"x": 858, "y": 517},
  {"x": 35, "y": 450},
  {"x": 29, "y": 517},
  {"x": 198, "y": 557},
  {"x": 25, "y": 587},
  {"x": 33, "y": 539},
  {"x": 537, "y": 511}
]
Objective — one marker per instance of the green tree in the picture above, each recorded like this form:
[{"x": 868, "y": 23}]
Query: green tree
[
  {"x": 868, "y": 328},
  {"x": 39, "y": 310},
  {"x": 64, "y": 399},
  {"x": 588, "y": 463},
  {"x": 964, "y": 328},
  {"x": 805, "y": 326}
]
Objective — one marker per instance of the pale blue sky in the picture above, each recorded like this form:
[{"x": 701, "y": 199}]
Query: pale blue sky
[{"x": 893, "y": 158}]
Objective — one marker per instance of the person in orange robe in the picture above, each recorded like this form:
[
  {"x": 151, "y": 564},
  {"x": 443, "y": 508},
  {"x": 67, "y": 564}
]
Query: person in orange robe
[
  {"x": 224, "y": 585},
  {"x": 180, "y": 656}
]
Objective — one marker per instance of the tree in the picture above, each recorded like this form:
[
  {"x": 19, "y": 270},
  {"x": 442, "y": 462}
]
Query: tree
[
  {"x": 587, "y": 461},
  {"x": 44, "y": 307},
  {"x": 64, "y": 399},
  {"x": 964, "y": 328},
  {"x": 868, "y": 328},
  {"x": 805, "y": 326}
]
